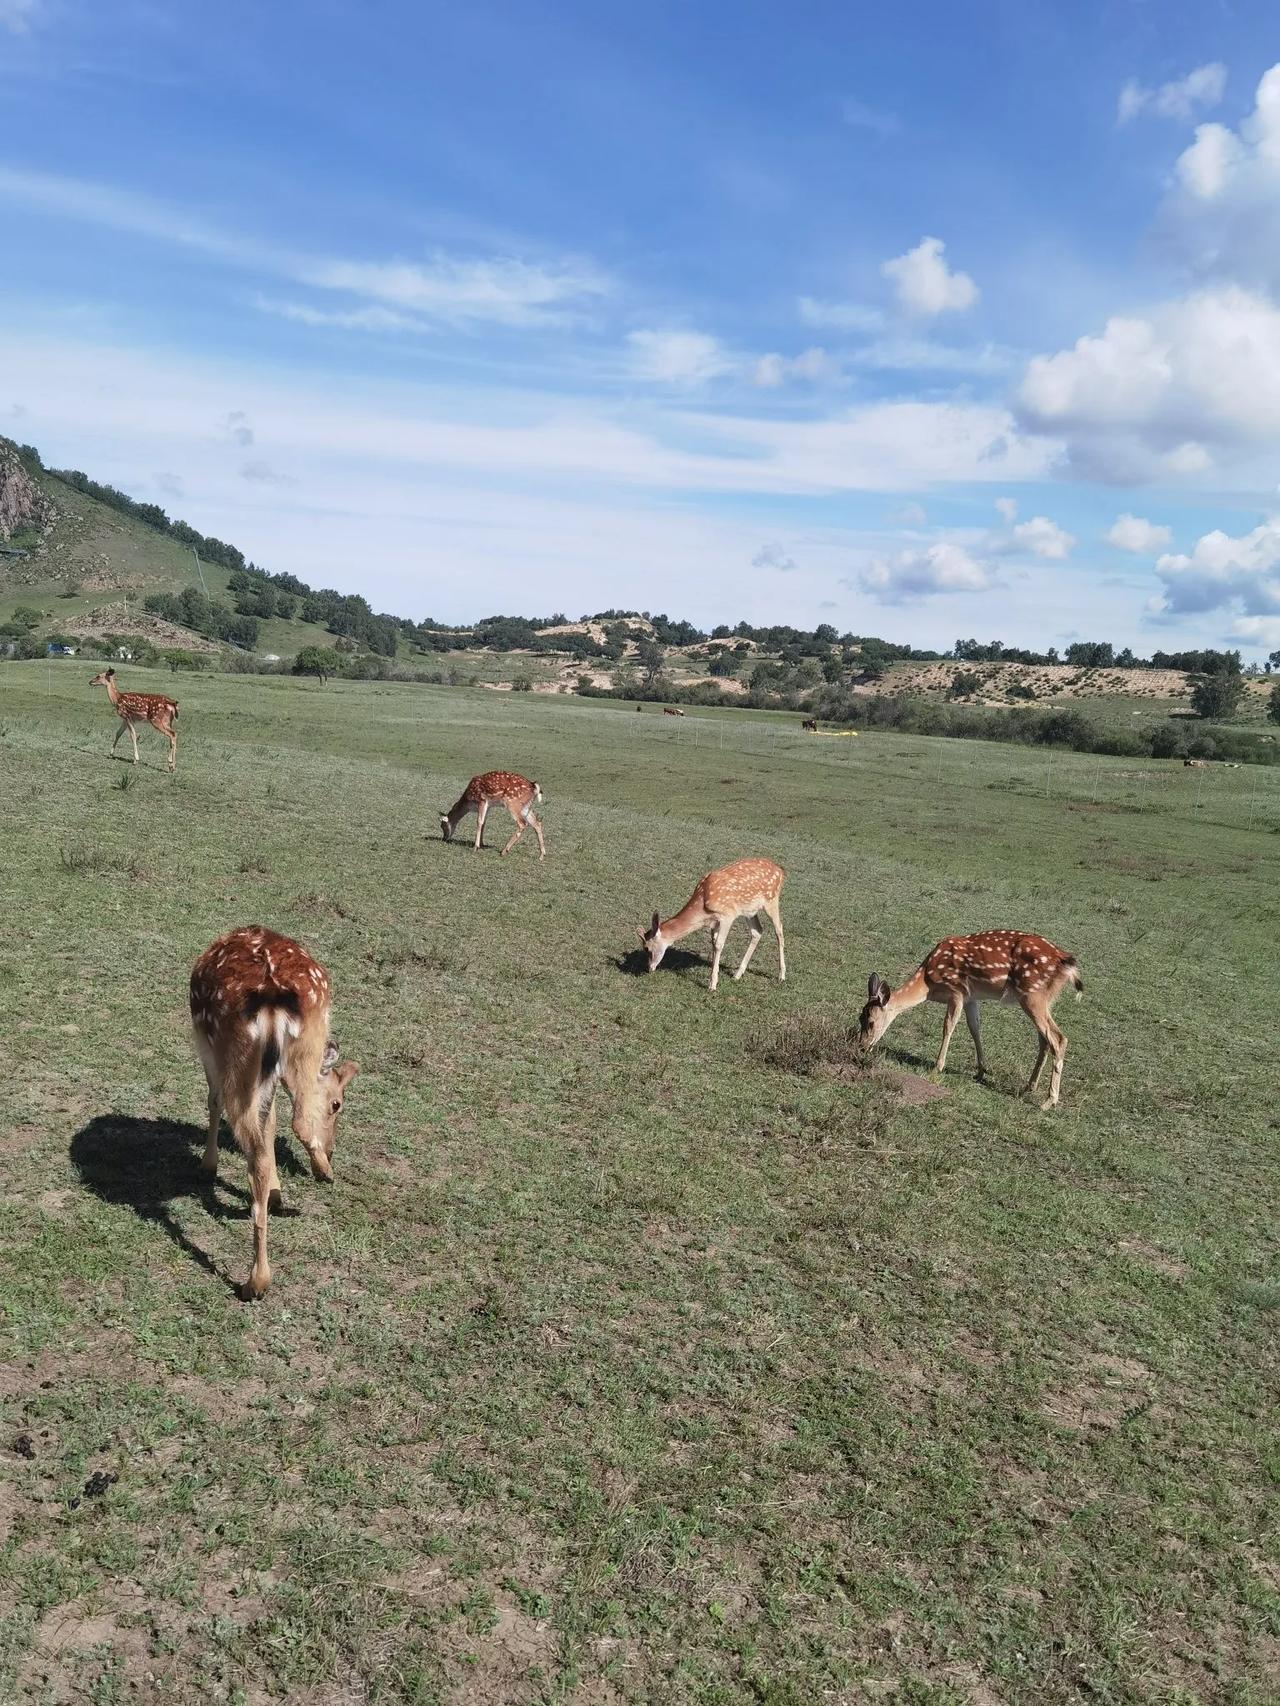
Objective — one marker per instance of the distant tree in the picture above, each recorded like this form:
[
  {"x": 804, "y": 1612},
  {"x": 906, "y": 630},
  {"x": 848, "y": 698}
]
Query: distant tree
[
  {"x": 26, "y": 618},
  {"x": 1273, "y": 704},
  {"x": 723, "y": 663},
  {"x": 1216, "y": 697},
  {"x": 1273, "y": 660},
  {"x": 650, "y": 656},
  {"x": 964, "y": 682},
  {"x": 314, "y": 660}
]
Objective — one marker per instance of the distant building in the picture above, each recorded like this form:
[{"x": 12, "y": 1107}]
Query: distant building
[{"x": 59, "y": 651}]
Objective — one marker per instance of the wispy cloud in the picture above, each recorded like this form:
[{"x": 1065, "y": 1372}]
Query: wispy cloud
[
  {"x": 1179, "y": 99},
  {"x": 440, "y": 289},
  {"x": 840, "y": 316},
  {"x": 925, "y": 572},
  {"x": 773, "y": 556},
  {"x": 16, "y": 15},
  {"x": 675, "y": 357},
  {"x": 862, "y": 116}
]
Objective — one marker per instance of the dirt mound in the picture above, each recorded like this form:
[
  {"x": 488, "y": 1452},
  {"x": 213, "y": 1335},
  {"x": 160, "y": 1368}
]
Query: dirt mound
[{"x": 119, "y": 619}]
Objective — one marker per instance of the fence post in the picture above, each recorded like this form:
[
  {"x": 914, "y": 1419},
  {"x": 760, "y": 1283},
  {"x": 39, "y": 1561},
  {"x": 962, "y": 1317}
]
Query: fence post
[{"x": 1097, "y": 776}]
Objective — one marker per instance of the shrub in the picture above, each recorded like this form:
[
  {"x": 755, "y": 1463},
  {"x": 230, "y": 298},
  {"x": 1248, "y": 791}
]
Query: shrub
[{"x": 1217, "y": 697}]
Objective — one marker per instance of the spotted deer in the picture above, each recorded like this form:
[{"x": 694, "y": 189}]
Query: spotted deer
[
  {"x": 260, "y": 1013},
  {"x": 747, "y": 888},
  {"x": 997, "y": 965},
  {"x": 497, "y": 787},
  {"x": 132, "y": 708}
]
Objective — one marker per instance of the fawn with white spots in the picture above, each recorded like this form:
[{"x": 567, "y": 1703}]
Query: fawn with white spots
[
  {"x": 998, "y": 965},
  {"x": 497, "y": 787},
  {"x": 748, "y": 888},
  {"x": 131, "y": 708},
  {"x": 260, "y": 1011}
]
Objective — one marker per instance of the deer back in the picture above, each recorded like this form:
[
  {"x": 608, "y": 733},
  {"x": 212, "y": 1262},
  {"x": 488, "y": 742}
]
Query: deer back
[{"x": 995, "y": 959}]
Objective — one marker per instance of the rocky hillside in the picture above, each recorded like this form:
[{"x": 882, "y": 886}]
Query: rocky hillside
[{"x": 24, "y": 507}]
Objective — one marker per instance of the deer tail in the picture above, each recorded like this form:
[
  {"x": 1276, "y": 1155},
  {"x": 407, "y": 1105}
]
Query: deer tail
[
  {"x": 273, "y": 1016},
  {"x": 1073, "y": 974}
]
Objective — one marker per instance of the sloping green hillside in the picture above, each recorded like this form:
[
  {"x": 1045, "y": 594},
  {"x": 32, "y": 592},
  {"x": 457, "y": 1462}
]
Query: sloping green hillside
[{"x": 93, "y": 566}]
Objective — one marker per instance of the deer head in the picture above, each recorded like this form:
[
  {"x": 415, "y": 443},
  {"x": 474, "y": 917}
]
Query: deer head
[
  {"x": 652, "y": 942},
  {"x": 873, "y": 1021},
  {"x": 104, "y": 678},
  {"x": 331, "y": 1089}
]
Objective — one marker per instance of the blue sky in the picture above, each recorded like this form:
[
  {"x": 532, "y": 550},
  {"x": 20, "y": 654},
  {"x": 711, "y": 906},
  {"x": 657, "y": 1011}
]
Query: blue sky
[{"x": 924, "y": 320}]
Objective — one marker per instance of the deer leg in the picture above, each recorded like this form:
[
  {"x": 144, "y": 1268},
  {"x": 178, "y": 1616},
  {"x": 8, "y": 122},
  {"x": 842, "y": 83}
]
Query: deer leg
[
  {"x": 210, "y": 1162},
  {"x": 954, "y": 1007},
  {"x": 521, "y": 826},
  {"x": 116, "y": 742},
  {"x": 171, "y": 736},
  {"x": 133, "y": 736},
  {"x": 482, "y": 812},
  {"x": 261, "y": 1167},
  {"x": 775, "y": 916},
  {"x": 757, "y": 931},
  {"x": 275, "y": 1198},
  {"x": 719, "y": 931},
  {"x": 537, "y": 830},
  {"x": 975, "y": 1031},
  {"x": 1057, "y": 1043}
]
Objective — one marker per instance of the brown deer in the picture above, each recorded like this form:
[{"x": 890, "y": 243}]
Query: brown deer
[
  {"x": 747, "y": 888},
  {"x": 500, "y": 787},
  {"x": 131, "y": 708},
  {"x": 260, "y": 1012},
  {"x": 997, "y": 965}
]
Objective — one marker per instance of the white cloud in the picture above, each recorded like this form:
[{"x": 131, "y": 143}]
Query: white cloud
[
  {"x": 1223, "y": 210},
  {"x": 864, "y": 117},
  {"x": 1261, "y": 631},
  {"x": 445, "y": 289},
  {"x": 927, "y": 355},
  {"x": 678, "y": 358},
  {"x": 16, "y": 15},
  {"x": 1133, "y": 533},
  {"x": 369, "y": 319},
  {"x": 909, "y": 515},
  {"x": 1175, "y": 392},
  {"x": 1043, "y": 538},
  {"x": 1007, "y": 509},
  {"x": 923, "y": 573},
  {"x": 773, "y": 556},
  {"x": 99, "y": 394},
  {"x": 924, "y": 282},
  {"x": 839, "y": 316},
  {"x": 814, "y": 365},
  {"x": 1223, "y": 572},
  {"x": 263, "y": 474},
  {"x": 1203, "y": 87}
]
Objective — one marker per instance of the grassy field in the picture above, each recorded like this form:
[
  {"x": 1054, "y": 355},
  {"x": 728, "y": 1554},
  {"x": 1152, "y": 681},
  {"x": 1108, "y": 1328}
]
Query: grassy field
[{"x": 648, "y": 1347}]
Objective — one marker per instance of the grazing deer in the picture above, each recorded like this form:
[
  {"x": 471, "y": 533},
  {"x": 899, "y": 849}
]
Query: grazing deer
[
  {"x": 501, "y": 787},
  {"x": 747, "y": 888},
  {"x": 998, "y": 965},
  {"x": 131, "y": 708},
  {"x": 260, "y": 1012}
]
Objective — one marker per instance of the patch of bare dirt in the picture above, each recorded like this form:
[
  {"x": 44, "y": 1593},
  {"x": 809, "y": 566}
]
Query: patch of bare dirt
[
  {"x": 1151, "y": 1256},
  {"x": 1106, "y": 1391},
  {"x": 916, "y": 1090}
]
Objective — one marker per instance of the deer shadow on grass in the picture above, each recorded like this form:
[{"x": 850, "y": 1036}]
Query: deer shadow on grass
[
  {"x": 150, "y": 1166},
  {"x": 635, "y": 962}
]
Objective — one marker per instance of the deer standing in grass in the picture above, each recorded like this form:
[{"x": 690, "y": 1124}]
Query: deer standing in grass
[
  {"x": 497, "y": 787},
  {"x": 748, "y": 888},
  {"x": 260, "y": 1012},
  {"x": 998, "y": 965},
  {"x": 131, "y": 708}
]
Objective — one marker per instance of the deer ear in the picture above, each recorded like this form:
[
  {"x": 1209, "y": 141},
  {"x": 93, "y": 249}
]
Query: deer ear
[
  {"x": 330, "y": 1055},
  {"x": 878, "y": 989},
  {"x": 346, "y": 1072}
]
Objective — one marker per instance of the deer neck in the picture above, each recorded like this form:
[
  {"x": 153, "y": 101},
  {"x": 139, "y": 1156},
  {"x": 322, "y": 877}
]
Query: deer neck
[
  {"x": 692, "y": 916},
  {"x": 113, "y": 692},
  {"x": 913, "y": 992}
]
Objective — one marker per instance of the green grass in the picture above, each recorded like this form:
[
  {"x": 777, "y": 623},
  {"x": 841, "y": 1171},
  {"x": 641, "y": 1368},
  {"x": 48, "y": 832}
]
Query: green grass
[{"x": 648, "y": 1345}]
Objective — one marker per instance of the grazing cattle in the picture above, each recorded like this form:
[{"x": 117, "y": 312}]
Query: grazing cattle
[
  {"x": 672, "y": 711},
  {"x": 811, "y": 724},
  {"x": 260, "y": 1013},
  {"x": 500, "y": 787},
  {"x": 132, "y": 708},
  {"x": 997, "y": 965},
  {"x": 1195, "y": 763},
  {"x": 747, "y": 887}
]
